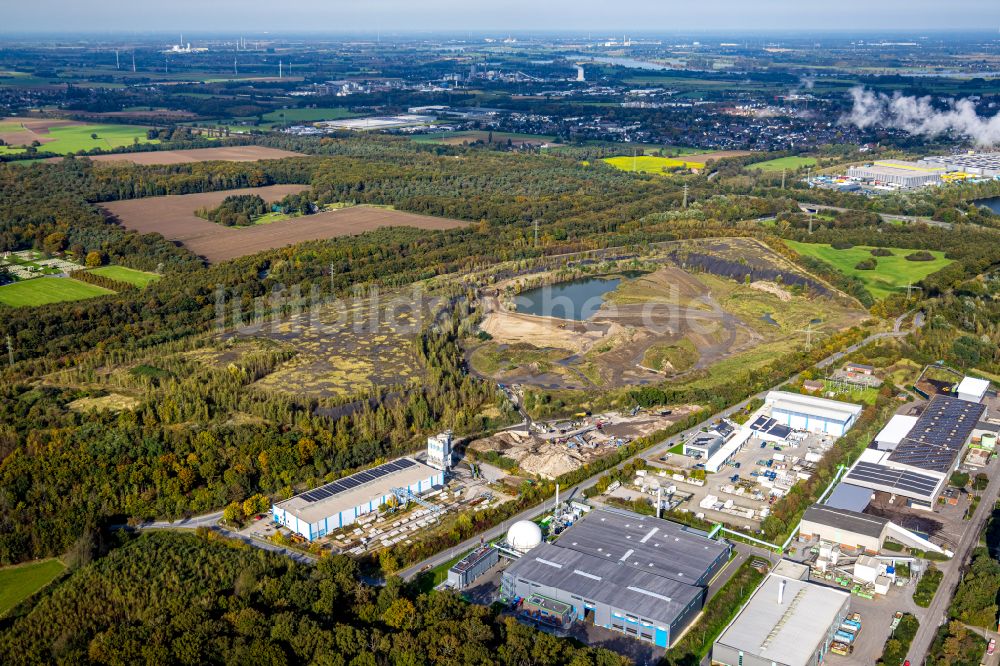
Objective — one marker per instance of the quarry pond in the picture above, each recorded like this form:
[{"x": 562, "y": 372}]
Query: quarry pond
[{"x": 578, "y": 300}]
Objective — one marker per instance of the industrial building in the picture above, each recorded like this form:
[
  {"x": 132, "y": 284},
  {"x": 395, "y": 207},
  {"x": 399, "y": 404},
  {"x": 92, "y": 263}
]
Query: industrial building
[
  {"x": 316, "y": 512},
  {"x": 439, "y": 454},
  {"x": 899, "y": 173},
  {"x": 787, "y": 622},
  {"x": 638, "y": 575},
  {"x": 914, "y": 462},
  {"x": 807, "y": 412},
  {"x": 716, "y": 445},
  {"x": 844, "y": 527},
  {"x": 986, "y": 165},
  {"x": 464, "y": 572}
]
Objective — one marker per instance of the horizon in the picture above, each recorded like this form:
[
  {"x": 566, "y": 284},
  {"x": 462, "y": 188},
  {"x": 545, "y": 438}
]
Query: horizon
[{"x": 436, "y": 16}]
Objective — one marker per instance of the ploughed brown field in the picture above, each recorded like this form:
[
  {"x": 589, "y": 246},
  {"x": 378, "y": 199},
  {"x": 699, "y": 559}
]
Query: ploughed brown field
[
  {"x": 224, "y": 154},
  {"x": 174, "y": 218}
]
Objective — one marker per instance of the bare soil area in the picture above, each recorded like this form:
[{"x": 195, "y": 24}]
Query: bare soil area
[
  {"x": 174, "y": 217},
  {"x": 222, "y": 154}
]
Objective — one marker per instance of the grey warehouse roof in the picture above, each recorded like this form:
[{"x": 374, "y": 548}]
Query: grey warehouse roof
[
  {"x": 606, "y": 581},
  {"x": 639, "y": 564},
  {"x": 851, "y": 521},
  {"x": 939, "y": 434},
  {"x": 650, "y": 544}
]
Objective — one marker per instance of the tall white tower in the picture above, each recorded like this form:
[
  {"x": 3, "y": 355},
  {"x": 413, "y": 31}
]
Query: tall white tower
[
  {"x": 439, "y": 451},
  {"x": 579, "y": 73}
]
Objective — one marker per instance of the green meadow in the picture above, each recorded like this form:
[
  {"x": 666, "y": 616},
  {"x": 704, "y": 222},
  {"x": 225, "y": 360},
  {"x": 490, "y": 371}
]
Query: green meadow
[
  {"x": 42, "y": 291},
  {"x": 891, "y": 275},
  {"x": 19, "y": 582}
]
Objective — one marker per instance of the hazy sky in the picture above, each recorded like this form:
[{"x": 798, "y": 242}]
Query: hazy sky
[{"x": 496, "y": 15}]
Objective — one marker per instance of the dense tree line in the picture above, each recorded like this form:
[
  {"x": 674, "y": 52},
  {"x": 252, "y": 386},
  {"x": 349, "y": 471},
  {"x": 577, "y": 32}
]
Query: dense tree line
[
  {"x": 236, "y": 210},
  {"x": 193, "y": 599}
]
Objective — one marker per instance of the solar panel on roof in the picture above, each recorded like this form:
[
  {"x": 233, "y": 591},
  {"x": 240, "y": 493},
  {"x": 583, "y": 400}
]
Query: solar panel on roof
[
  {"x": 356, "y": 479},
  {"x": 892, "y": 479}
]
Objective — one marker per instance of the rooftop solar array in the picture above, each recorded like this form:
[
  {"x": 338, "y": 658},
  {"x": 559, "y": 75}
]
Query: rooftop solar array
[
  {"x": 355, "y": 480},
  {"x": 770, "y": 426},
  {"x": 892, "y": 480},
  {"x": 939, "y": 434}
]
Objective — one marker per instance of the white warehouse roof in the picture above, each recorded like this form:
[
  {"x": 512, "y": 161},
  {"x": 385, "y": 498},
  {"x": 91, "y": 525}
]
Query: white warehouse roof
[
  {"x": 973, "y": 386},
  {"x": 714, "y": 464},
  {"x": 821, "y": 407},
  {"x": 789, "y": 631},
  {"x": 898, "y": 427}
]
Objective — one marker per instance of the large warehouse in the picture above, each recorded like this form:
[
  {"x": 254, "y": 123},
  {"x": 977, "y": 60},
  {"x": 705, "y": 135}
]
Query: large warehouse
[
  {"x": 899, "y": 173},
  {"x": 806, "y": 412},
  {"x": 334, "y": 505},
  {"x": 638, "y": 575},
  {"x": 787, "y": 622},
  {"x": 913, "y": 459}
]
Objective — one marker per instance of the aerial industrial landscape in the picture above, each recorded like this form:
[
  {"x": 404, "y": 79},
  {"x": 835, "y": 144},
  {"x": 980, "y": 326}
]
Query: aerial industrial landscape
[{"x": 381, "y": 335}]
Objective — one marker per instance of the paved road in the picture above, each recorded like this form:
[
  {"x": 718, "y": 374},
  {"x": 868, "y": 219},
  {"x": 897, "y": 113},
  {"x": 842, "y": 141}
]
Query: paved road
[
  {"x": 194, "y": 522},
  {"x": 887, "y": 217},
  {"x": 935, "y": 614}
]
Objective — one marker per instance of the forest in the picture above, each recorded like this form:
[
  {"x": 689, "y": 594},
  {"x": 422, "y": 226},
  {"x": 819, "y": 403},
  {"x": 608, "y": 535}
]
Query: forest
[{"x": 138, "y": 603}]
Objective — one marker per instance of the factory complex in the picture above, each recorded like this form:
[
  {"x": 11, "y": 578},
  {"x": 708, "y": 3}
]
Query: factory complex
[
  {"x": 633, "y": 574},
  {"x": 317, "y": 512},
  {"x": 907, "y": 174},
  {"x": 321, "y": 510}
]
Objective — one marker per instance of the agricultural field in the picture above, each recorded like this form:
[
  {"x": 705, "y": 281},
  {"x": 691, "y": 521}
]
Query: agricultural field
[
  {"x": 790, "y": 163},
  {"x": 651, "y": 164},
  {"x": 66, "y": 136},
  {"x": 174, "y": 217},
  {"x": 658, "y": 165},
  {"x": 129, "y": 275},
  {"x": 19, "y": 582},
  {"x": 222, "y": 154},
  {"x": 42, "y": 291},
  {"x": 307, "y": 115},
  {"x": 891, "y": 274},
  {"x": 663, "y": 321}
]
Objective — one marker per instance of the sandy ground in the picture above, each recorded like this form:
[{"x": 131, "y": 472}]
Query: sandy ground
[
  {"x": 225, "y": 154},
  {"x": 174, "y": 218}
]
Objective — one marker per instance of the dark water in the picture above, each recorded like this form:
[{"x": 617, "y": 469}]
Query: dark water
[
  {"x": 992, "y": 203},
  {"x": 579, "y": 299},
  {"x": 769, "y": 319}
]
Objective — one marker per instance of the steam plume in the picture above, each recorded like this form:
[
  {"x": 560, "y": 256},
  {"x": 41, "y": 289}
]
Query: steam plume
[{"x": 917, "y": 115}]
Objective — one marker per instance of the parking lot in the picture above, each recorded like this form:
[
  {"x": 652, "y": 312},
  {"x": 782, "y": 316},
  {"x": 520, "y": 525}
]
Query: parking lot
[{"x": 762, "y": 470}]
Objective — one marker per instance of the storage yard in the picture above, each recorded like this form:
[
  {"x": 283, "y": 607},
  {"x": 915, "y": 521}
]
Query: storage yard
[{"x": 550, "y": 449}]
